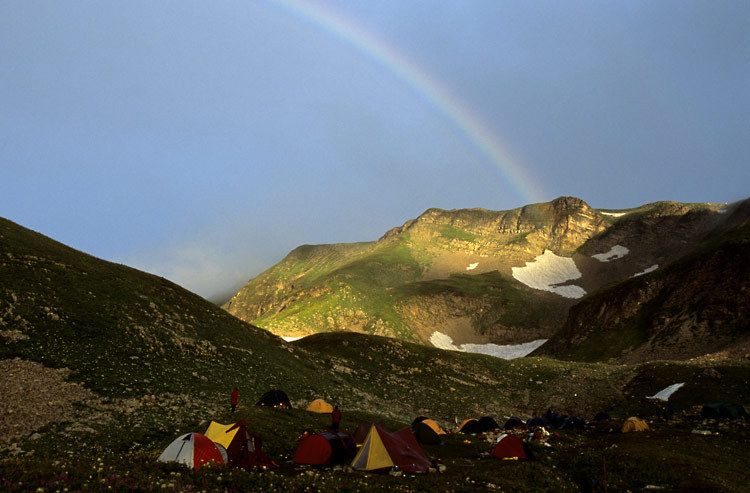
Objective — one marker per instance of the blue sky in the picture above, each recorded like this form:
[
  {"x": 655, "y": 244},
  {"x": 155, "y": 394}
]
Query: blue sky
[{"x": 202, "y": 141}]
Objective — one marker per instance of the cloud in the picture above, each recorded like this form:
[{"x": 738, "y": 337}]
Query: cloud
[{"x": 201, "y": 268}]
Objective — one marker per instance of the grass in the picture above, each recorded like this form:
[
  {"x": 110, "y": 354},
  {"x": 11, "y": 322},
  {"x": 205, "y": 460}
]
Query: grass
[
  {"x": 453, "y": 233},
  {"x": 505, "y": 302}
]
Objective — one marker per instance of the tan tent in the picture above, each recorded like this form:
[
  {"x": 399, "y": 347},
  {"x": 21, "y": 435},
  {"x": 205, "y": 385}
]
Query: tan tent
[
  {"x": 435, "y": 427},
  {"x": 320, "y": 406},
  {"x": 634, "y": 424}
]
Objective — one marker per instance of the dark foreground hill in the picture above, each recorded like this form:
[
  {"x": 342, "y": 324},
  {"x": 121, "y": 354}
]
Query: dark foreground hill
[{"x": 104, "y": 365}]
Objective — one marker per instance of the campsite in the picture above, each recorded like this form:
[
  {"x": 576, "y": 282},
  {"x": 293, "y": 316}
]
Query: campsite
[
  {"x": 575, "y": 461},
  {"x": 685, "y": 452}
]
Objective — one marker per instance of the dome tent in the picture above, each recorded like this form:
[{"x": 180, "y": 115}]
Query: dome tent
[
  {"x": 320, "y": 406},
  {"x": 275, "y": 398},
  {"x": 327, "y": 448},
  {"x": 192, "y": 449}
]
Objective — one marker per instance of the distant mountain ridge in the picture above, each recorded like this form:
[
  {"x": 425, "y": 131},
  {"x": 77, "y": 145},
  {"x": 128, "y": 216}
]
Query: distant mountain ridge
[{"x": 475, "y": 275}]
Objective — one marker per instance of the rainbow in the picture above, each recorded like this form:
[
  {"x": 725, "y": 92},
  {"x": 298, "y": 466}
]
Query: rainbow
[{"x": 470, "y": 124}]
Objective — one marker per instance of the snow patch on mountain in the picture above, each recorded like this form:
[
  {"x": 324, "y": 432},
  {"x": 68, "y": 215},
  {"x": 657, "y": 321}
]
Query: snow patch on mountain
[
  {"x": 617, "y": 251},
  {"x": 472, "y": 266},
  {"x": 510, "y": 351},
  {"x": 613, "y": 214},
  {"x": 665, "y": 394},
  {"x": 291, "y": 339},
  {"x": 646, "y": 270},
  {"x": 546, "y": 271}
]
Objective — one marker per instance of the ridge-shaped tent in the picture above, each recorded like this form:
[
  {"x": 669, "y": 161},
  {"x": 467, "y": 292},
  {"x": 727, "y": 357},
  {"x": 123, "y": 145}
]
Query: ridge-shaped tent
[
  {"x": 508, "y": 447},
  {"x": 320, "y": 406},
  {"x": 383, "y": 449},
  {"x": 327, "y": 448},
  {"x": 192, "y": 449}
]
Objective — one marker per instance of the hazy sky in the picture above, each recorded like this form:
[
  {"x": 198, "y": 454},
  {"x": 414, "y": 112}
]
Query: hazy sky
[{"x": 202, "y": 141}]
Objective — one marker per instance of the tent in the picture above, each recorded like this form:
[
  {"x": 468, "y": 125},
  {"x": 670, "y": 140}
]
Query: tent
[
  {"x": 536, "y": 422},
  {"x": 514, "y": 423},
  {"x": 219, "y": 433},
  {"x": 383, "y": 449},
  {"x": 327, "y": 448},
  {"x": 470, "y": 426},
  {"x": 425, "y": 434},
  {"x": 320, "y": 406},
  {"x": 431, "y": 423},
  {"x": 487, "y": 423},
  {"x": 572, "y": 422},
  {"x": 275, "y": 398},
  {"x": 719, "y": 410},
  {"x": 192, "y": 449},
  {"x": 244, "y": 449},
  {"x": 634, "y": 424},
  {"x": 508, "y": 447}
]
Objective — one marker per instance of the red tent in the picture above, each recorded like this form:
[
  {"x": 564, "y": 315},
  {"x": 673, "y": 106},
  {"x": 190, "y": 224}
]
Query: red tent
[
  {"x": 327, "y": 448},
  {"x": 509, "y": 447}
]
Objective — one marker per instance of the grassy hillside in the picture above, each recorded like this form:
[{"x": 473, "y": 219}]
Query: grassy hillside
[{"x": 106, "y": 365}]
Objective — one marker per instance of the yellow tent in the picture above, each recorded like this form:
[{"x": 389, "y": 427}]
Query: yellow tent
[
  {"x": 435, "y": 427},
  {"x": 320, "y": 406},
  {"x": 372, "y": 454},
  {"x": 634, "y": 424},
  {"x": 218, "y": 433},
  {"x": 384, "y": 449}
]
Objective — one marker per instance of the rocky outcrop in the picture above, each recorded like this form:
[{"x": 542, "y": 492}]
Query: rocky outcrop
[{"x": 698, "y": 305}]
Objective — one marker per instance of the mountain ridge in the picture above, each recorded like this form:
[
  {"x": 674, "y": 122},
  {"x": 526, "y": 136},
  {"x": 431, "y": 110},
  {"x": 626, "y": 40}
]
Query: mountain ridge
[{"x": 382, "y": 287}]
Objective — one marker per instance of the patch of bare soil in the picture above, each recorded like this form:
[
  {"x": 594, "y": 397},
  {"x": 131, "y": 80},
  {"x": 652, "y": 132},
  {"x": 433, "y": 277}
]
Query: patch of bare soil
[{"x": 34, "y": 396}]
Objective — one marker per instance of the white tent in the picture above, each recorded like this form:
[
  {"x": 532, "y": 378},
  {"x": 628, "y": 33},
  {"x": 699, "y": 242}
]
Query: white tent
[{"x": 193, "y": 450}]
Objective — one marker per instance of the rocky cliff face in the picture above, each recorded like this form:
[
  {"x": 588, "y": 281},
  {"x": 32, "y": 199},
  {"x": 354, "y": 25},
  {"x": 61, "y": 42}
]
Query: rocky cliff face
[
  {"x": 699, "y": 304},
  {"x": 478, "y": 275}
]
